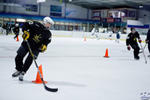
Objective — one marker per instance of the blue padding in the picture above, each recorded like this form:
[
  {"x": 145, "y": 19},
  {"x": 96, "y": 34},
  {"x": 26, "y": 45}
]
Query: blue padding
[
  {"x": 10, "y": 15},
  {"x": 139, "y": 26}
]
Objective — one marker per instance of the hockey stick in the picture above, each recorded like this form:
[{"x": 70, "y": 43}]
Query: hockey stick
[
  {"x": 143, "y": 48},
  {"x": 143, "y": 53},
  {"x": 47, "y": 88}
]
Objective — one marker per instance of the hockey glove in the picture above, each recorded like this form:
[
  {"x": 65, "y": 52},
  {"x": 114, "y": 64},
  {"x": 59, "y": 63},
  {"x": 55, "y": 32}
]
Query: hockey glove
[
  {"x": 43, "y": 48},
  {"x": 128, "y": 47},
  {"x": 140, "y": 40},
  {"x": 146, "y": 41},
  {"x": 25, "y": 35}
]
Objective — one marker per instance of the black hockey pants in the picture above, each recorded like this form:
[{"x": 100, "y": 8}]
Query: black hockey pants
[
  {"x": 136, "y": 50},
  {"x": 22, "y": 51}
]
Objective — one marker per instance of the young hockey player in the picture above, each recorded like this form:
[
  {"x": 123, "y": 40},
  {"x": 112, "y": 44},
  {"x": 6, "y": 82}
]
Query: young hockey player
[
  {"x": 16, "y": 30},
  {"x": 148, "y": 40},
  {"x": 132, "y": 41},
  {"x": 95, "y": 33},
  {"x": 38, "y": 36}
]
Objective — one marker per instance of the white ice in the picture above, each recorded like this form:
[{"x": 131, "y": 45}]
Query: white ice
[{"x": 78, "y": 69}]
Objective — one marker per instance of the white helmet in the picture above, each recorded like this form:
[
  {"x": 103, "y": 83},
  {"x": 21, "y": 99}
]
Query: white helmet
[
  {"x": 17, "y": 25},
  {"x": 48, "y": 20}
]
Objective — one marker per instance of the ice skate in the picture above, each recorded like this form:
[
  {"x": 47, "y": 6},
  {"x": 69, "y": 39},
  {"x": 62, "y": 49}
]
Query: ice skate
[
  {"x": 137, "y": 58},
  {"x": 16, "y": 73},
  {"x": 21, "y": 76}
]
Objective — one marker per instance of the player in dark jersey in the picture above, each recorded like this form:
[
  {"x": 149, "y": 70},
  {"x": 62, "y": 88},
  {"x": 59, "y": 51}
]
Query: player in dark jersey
[
  {"x": 132, "y": 41},
  {"x": 38, "y": 36},
  {"x": 16, "y": 30}
]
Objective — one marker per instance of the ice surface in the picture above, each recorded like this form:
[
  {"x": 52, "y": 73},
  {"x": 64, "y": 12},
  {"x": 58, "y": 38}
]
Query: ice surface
[{"x": 78, "y": 69}]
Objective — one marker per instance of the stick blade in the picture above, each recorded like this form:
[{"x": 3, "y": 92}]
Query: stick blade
[{"x": 51, "y": 89}]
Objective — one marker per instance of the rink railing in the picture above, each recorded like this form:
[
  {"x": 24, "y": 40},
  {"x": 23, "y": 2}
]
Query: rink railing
[{"x": 80, "y": 34}]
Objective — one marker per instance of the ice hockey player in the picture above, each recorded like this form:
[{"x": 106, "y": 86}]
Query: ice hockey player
[
  {"x": 132, "y": 41},
  {"x": 95, "y": 33},
  {"x": 38, "y": 36},
  {"x": 16, "y": 30},
  {"x": 110, "y": 34},
  {"x": 148, "y": 40}
]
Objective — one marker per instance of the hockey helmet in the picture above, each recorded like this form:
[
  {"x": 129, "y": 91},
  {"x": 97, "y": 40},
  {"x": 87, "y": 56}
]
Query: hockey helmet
[
  {"x": 16, "y": 24},
  {"x": 48, "y": 20}
]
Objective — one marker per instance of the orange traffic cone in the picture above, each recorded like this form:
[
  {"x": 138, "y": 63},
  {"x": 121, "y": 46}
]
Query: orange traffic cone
[
  {"x": 17, "y": 38},
  {"x": 106, "y": 54},
  {"x": 84, "y": 38},
  {"x": 38, "y": 79}
]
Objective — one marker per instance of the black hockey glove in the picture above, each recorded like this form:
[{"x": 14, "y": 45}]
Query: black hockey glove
[
  {"x": 43, "y": 48},
  {"x": 140, "y": 40},
  {"x": 146, "y": 41},
  {"x": 128, "y": 47}
]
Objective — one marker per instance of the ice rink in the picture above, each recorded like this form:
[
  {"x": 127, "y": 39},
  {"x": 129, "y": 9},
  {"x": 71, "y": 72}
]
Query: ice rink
[{"x": 78, "y": 69}]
